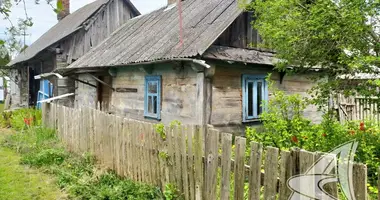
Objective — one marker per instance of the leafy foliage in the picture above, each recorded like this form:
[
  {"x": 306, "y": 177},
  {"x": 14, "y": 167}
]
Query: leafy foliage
[
  {"x": 341, "y": 38},
  {"x": 21, "y": 119},
  {"x": 285, "y": 127},
  {"x": 171, "y": 192},
  {"x": 77, "y": 174}
]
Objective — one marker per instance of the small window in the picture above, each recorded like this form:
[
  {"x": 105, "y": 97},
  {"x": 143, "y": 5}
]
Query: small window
[
  {"x": 152, "y": 107},
  {"x": 255, "y": 91}
]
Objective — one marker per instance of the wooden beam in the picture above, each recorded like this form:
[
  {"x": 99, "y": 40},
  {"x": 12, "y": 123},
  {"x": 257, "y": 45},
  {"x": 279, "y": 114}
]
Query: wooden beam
[
  {"x": 84, "y": 82},
  {"x": 102, "y": 82},
  {"x": 200, "y": 111}
]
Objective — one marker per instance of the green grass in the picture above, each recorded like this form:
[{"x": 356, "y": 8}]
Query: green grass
[
  {"x": 21, "y": 182},
  {"x": 1, "y": 107}
]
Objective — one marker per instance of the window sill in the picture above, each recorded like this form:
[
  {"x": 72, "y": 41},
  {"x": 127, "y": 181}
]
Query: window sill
[
  {"x": 152, "y": 118},
  {"x": 252, "y": 120}
]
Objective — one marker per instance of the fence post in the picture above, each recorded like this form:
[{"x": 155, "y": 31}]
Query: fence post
[
  {"x": 360, "y": 181},
  {"x": 46, "y": 115}
]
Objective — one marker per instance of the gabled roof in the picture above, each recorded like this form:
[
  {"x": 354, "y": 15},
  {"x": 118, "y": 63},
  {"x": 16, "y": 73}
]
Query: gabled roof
[
  {"x": 156, "y": 36},
  {"x": 62, "y": 29}
]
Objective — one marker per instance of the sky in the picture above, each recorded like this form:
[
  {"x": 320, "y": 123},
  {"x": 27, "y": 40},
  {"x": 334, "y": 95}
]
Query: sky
[{"x": 44, "y": 17}]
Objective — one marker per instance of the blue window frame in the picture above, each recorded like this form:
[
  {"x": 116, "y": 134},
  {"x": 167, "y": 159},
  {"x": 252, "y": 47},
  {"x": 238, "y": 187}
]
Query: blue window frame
[
  {"x": 152, "y": 97},
  {"x": 255, "y": 91}
]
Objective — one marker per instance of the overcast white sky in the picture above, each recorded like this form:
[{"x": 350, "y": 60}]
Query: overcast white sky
[{"x": 44, "y": 17}]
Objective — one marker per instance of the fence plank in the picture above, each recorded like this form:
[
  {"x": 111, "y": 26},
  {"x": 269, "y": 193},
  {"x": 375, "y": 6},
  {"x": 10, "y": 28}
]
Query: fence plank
[
  {"x": 211, "y": 166},
  {"x": 239, "y": 171},
  {"x": 178, "y": 164},
  {"x": 190, "y": 164},
  {"x": 307, "y": 160},
  {"x": 198, "y": 163},
  {"x": 285, "y": 173},
  {"x": 170, "y": 146},
  {"x": 226, "y": 166},
  {"x": 184, "y": 160},
  {"x": 255, "y": 170},
  {"x": 360, "y": 181},
  {"x": 270, "y": 169},
  {"x": 330, "y": 188}
]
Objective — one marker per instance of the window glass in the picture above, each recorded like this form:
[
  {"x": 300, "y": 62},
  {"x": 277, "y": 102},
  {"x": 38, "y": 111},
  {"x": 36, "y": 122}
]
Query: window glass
[
  {"x": 250, "y": 98},
  {"x": 259, "y": 97},
  {"x": 255, "y": 92},
  {"x": 152, "y": 87}
]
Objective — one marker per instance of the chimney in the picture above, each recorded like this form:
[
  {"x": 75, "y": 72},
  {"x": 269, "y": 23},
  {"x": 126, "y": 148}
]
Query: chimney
[
  {"x": 172, "y": 1},
  {"x": 65, "y": 9}
]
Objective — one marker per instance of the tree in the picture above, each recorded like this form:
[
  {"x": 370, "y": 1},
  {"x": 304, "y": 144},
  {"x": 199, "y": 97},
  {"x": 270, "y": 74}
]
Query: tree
[
  {"x": 12, "y": 44},
  {"x": 339, "y": 37}
]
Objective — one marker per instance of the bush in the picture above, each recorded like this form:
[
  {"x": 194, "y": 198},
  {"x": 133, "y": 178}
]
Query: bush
[
  {"x": 21, "y": 119},
  {"x": 77, "y": 174},
  {"x": 285, "y": 127}
]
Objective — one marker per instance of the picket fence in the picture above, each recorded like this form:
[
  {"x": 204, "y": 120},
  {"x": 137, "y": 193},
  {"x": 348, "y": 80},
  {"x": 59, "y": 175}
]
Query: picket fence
[
  {"x": 358, "y": 108},
  {"x": 200, "y": 161}
]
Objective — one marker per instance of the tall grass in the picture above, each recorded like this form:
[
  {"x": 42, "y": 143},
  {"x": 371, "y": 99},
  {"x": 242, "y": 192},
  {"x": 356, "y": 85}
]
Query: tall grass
[{"x": 76, "y": 174}]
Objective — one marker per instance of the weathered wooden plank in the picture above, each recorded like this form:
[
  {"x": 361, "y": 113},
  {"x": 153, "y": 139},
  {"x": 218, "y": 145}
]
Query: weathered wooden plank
[
  {"x": 178, "y": 165},
  {"x": 211, "y": 163},
  {"x": 270, "y": 168},
  {"x": 226, "y": 166},
  {"x": 239, "y": 171},
  {"x": 255, "y": 170},
  {"x": 198, "y": 163},
  {"x": 171, "y": 160},
  {"x": 190, "y": 163},
  {"x": 184, "y": 160},
  {"x": 285, "y": 173},
  {"x": 360, "y": 181},
  {"x": 330, "y": 188},
  {"x": 307, "y": 160}
]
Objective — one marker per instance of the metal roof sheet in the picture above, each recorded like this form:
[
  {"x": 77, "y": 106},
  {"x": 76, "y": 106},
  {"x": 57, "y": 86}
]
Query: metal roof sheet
[{"x": 156, "y": 36}]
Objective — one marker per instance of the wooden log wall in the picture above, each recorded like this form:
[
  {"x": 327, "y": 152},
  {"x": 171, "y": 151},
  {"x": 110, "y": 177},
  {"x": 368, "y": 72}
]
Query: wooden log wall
[{"x": 199, "y": 161}]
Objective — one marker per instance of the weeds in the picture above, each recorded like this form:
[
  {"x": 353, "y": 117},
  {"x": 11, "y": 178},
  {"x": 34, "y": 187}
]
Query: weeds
[{"x": 76, "y": 174}]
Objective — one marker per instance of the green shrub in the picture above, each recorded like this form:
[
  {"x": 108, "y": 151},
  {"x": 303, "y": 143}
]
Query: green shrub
[
  {"x": 45, "y": 157},
  {"x": 284, "y": 127},
  {"x": 21, "y": 119},
  {"x": 77, "y": 174}
]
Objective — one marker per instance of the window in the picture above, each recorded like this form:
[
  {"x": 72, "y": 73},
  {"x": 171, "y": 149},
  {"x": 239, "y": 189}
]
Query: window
[
  {"x": 255, "y": 90},
  {"x": 152, "y": 105}
]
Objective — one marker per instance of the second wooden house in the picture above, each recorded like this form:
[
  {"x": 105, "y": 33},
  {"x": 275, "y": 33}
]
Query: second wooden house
[{"x": 73, "y": 36}]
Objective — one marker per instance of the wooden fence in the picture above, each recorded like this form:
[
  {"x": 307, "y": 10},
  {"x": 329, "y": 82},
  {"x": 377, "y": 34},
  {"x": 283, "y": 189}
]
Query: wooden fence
[
  {"x": 358, "y": 108},
  {"x": 203, "y": 163}
]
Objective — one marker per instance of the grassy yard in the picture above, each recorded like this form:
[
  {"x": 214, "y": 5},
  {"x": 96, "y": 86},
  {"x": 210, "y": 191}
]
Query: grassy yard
[{"x": 20, "y": 182}]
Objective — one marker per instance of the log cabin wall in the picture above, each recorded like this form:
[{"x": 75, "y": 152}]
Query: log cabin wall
[
  {"x": 227, "y": 111},
  {"x": 85, "y": 94},
  {"x": 105, "y": 21},
  {"x": 178, "y": 92},
  {"x": 240, "y": 34},
  {"x": 96, "y": 29}
]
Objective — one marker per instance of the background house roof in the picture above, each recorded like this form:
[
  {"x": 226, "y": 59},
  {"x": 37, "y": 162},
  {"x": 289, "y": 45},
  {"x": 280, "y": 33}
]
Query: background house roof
[
  {"x": 156, "y": 36},
  {"x": 62, "y": 29}
]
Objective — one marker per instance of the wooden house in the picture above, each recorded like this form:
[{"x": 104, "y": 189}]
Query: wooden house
[
  {"x": 73, "y": 36},
  {"x": 197, "y": 67}
]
